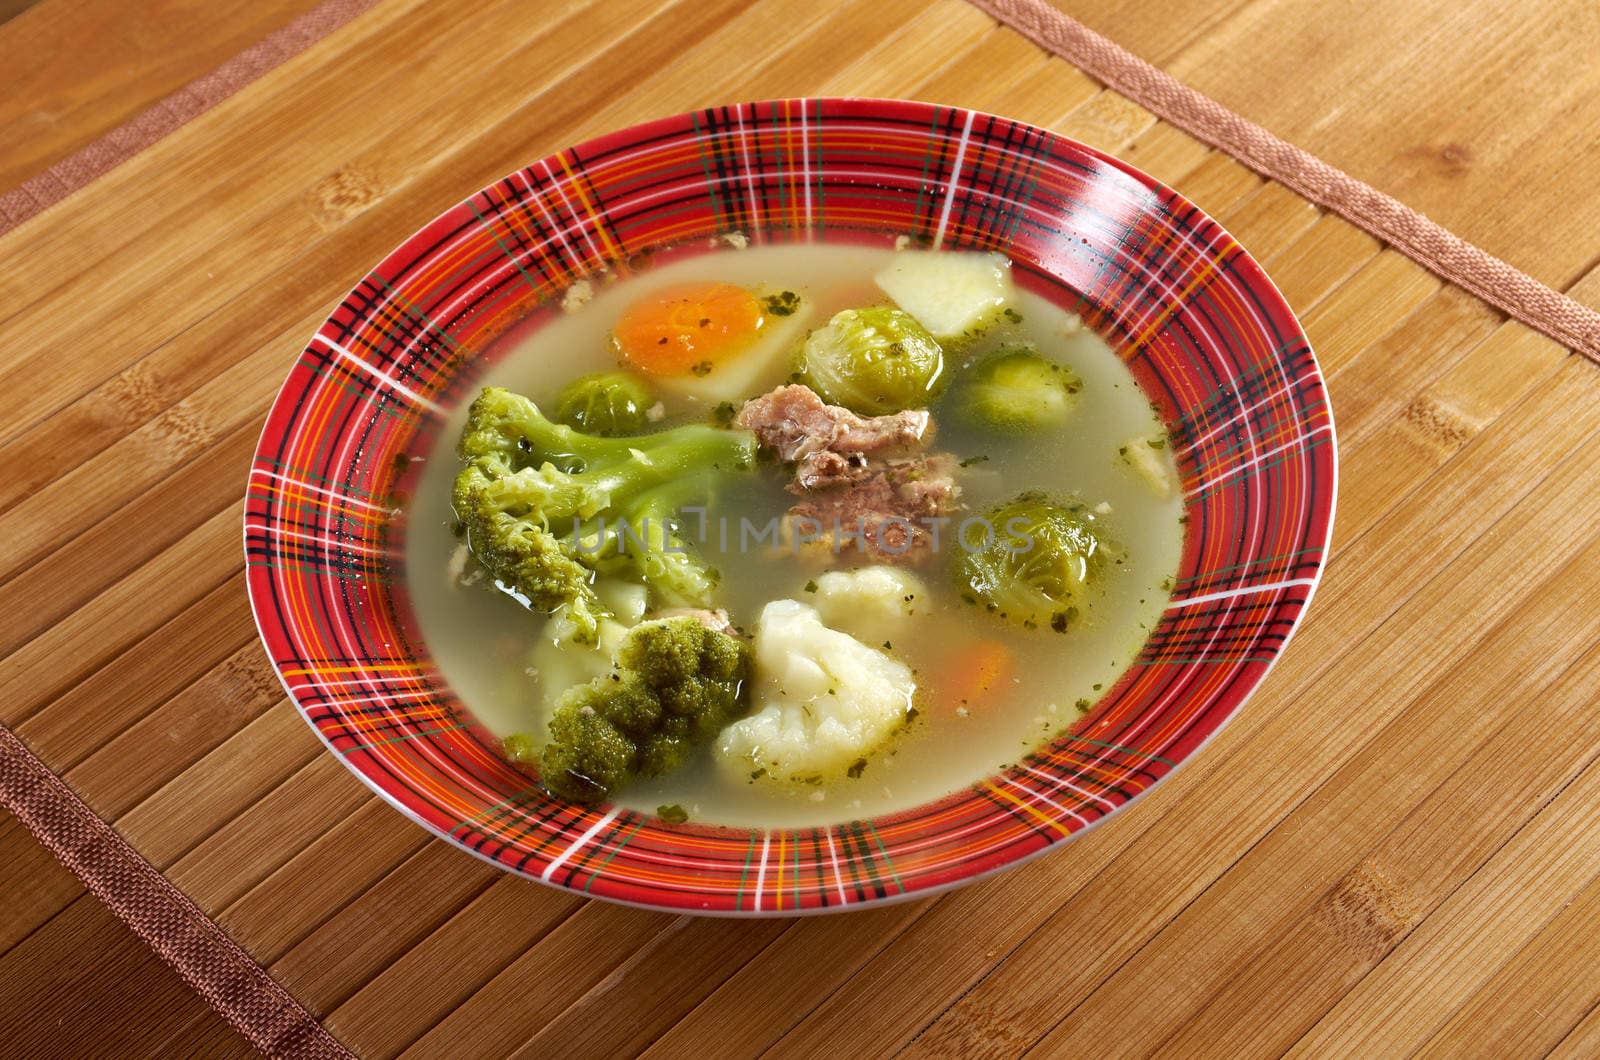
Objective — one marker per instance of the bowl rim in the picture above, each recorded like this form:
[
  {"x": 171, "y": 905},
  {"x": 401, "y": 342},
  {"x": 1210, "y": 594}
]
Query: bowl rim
[{"x": 1257, "y": 277}]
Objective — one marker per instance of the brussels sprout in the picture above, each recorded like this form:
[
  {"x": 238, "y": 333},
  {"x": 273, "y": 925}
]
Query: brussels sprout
[
  {"x": 607, "y": 403},
  {"x": 1016, "y": 391},
  {"x": 1034, "y": 562},
  {"x": 873, "y": 361}
]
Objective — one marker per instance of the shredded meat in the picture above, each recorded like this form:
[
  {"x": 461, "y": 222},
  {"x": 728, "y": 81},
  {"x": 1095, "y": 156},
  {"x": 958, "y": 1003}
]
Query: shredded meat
[
  {"x": 885, "y": 515},
  {"x": 830, "y": 445},
  {"x": 861, "y": 493}
]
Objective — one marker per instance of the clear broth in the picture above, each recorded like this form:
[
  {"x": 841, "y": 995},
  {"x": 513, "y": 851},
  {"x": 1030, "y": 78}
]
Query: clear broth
[{"x": 943, "y": 749}]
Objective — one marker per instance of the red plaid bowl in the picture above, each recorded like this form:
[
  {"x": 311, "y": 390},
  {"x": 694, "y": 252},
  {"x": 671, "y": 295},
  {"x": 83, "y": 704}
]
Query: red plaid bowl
[{"x": 1200, "y": 325}]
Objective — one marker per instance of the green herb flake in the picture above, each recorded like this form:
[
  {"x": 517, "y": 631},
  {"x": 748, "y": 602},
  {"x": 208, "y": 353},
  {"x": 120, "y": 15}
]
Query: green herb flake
[
  {"x": 782, "y": 304},
  {"x": 672, "y": 814},
  {"x": 856, "y": 768},
  {"x": 811, "y": 586}
]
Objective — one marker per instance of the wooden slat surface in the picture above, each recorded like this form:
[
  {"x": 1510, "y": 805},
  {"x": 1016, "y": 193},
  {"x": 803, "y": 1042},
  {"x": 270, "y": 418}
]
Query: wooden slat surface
[
  {"x": 1484, "y": 116},
  {"x": 1394, "y": 847},
  {"x": 75, "y": 71}
]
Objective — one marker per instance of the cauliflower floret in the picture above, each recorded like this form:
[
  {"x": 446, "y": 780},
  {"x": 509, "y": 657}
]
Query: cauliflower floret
[
  {"x": 823, "y": 700},
  {"x": 627, "y": 600},
  {"x": 871, "y": 604},
  {"x": 562, "y": 658}
]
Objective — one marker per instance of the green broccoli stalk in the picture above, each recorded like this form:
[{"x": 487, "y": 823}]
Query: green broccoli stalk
[
  {"x": 647, "y": 542},
  {"x": 539, "y": 501},
  {"x": 674, "y": 685}
]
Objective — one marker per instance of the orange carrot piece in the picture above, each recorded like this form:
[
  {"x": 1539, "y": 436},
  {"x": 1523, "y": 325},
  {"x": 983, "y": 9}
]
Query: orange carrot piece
[
  {"x": 688, "y": 328},
  {"x": 979, "y": 671}
]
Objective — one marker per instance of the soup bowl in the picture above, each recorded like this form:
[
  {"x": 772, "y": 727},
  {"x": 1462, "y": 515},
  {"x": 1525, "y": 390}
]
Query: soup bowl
[{"x": 1205, "y": 333}]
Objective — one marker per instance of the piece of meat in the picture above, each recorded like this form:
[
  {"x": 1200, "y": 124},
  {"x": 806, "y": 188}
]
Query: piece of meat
[
  {"x": 862, "y": 496},
  {"x": 888, "y": 516},
  {"x": 829, "y": 444},
  {"x": 825, "y": 469}
]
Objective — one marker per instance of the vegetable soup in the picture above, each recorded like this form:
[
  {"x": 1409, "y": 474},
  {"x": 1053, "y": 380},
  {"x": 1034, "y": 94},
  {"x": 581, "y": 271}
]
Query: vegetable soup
[{"x": 783, "y": 536}]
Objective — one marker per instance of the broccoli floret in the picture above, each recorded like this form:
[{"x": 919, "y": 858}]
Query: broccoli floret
[
  {"x": 674, "y": 685},
  {"x": 531, "y": 563},
  {"x": 1017, "y": 391},
  {"x": 688, "y": 664},
  {"x": 607, "y": 403},
  {"x": 587, "y": 755},
  {"x": 534, "y": 490},
  {"x": 1036, "y": 565}
]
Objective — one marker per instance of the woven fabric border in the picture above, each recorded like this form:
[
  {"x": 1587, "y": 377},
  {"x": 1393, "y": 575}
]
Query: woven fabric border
[
  {"x": 158, "y": 912},
  {"x": 1449, "y": 256},
  {"x": 172, "y": 112}
]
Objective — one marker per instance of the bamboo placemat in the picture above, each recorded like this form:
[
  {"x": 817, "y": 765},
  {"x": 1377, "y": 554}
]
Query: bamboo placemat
[{"x": 1369, "y": 858}]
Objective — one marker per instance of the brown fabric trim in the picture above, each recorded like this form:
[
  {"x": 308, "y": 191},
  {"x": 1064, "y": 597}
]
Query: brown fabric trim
[
  {"x": 160, "y": 914},
  {"x": 1449, "y": 256},
  {"x": 166, "y": 115}
]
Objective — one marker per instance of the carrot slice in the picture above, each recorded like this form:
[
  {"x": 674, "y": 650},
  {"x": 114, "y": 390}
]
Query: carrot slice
[
  {"x": 689, "y": 328},
  {"x": 982, "y": 670}
]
